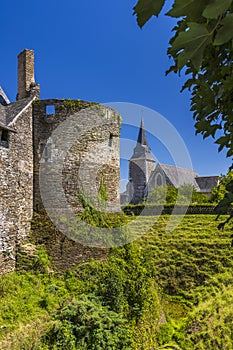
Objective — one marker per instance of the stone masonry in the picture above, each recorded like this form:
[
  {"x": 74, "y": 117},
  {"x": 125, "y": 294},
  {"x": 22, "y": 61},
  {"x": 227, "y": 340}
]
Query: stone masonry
[{"x": 77, "y": 140}]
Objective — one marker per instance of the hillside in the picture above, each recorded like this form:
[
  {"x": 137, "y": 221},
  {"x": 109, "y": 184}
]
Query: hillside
[{"x": 163, "y": 291}]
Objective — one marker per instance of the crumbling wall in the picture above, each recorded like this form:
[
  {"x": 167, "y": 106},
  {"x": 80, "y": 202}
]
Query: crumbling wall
[
  {"x": 85, "y": 137},
  {"x": 16, "y": 189},
  {"x": 92, "y": 150}
]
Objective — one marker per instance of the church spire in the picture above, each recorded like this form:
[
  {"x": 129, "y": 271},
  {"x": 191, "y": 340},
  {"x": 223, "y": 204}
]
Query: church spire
[
  {"x": 142, "y": 140},
  {"x": 141, "y": 166}
]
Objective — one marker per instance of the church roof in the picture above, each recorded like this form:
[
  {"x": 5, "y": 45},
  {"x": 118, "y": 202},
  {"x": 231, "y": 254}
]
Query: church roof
[
  {"x": 179, "y": 176},
  {"x": 142, "y": 139},
  {"x": 142, "y": 149},
  {"x": 206, "y": 183}
]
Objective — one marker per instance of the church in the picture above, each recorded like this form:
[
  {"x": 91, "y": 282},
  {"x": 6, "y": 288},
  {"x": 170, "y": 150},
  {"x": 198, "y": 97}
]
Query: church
[{"x": 145, "y": 174}]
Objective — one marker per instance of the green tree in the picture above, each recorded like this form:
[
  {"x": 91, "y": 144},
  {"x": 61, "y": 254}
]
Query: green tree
[
  {"x": 191, "y": 195},
  {"x": 202, "y": 45},
  {"x": 219, "y": 191},
  {"x": 169, "y": 195},
  {"x": 157, "y": 196}
]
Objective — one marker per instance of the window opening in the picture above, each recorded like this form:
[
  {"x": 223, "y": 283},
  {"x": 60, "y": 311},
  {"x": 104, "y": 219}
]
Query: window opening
[
  {"x": 110, "y": 140},
  {"x": 4, "y": 138},
  {"x": 159, "y": 180},
  {"x": 50, "y": 109}
]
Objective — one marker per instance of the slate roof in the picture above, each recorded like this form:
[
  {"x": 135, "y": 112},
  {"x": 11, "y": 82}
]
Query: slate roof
[
  {"x": 142, "y": 149},
  {"x": 15, "y": 108},
  {"x": 9, "y": 112},
  {"x": 206, "y": 183},
  {"x": 4, "y": 100},
  {"x": 142, "y": 139},
  {"x": 179, "y": 176},
  {"x": 142, "y": 152}
]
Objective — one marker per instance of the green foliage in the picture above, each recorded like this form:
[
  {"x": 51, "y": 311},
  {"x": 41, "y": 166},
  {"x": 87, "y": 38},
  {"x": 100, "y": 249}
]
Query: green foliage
[
  {"x": 222, "y": 194},
  {"x": 185, "y": 259},
  {"x": 169, "y": 196},
  {"x": 210, "y": 323},
  {"x": 219, "y": 191},
  {"x": 102, "y": 193},
  {"x": 158, "y": 195},
  {"x": 192, "y": 43},
  {"x": 216, "y": 8},
  {"x": 146, "y": 9},
  {"x": 42, "y": 261},
  {"x": 84, "y": 323},
  {"x": 163, "y": 195},
  {"x": 94, "y": 214},
  {"x": 122, "y": 283},
  {"x": 77, "y": 104},
  {"x": 164, "y": 291},
  {"x": 202, "y": 43}
]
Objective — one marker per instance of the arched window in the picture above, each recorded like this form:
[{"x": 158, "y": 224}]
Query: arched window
[{"x": 159, "y": 181}]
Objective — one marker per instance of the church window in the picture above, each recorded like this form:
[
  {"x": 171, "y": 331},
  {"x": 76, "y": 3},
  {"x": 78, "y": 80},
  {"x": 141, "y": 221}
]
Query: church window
[
  {"x": 50, "y": 109},
  {"x": 159, "y": 180},
  {"x": 4, "y": 138}
]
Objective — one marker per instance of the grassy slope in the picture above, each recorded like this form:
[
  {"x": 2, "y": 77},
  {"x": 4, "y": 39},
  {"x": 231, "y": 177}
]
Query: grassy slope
[
  {"x": 193, "y": 294},
  {"x": 193, "y": 267}
]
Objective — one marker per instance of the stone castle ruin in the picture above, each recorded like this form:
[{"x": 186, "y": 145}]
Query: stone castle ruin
[{"x": 28, "y": 146}]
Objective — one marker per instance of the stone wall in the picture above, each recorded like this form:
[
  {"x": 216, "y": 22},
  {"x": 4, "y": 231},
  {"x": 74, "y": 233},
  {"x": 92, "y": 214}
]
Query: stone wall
[
  {"x": 76, "y": 149},
  {"x": 80, "y": 142},
  {"x": 137, "y": 174},
  {"x": 16, "y": 188},
  {"x": 89, "y": 156},
  {"x": 61, "y": 149},
  {"x": 64, "y": 253}
]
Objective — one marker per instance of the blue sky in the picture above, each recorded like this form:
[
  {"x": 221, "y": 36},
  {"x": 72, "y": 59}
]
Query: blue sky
[{"x": 95, "y": 51}]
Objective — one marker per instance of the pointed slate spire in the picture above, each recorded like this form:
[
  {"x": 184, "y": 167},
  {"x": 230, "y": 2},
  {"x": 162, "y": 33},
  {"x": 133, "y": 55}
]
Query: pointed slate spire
[{"x": 142, "y": 140}]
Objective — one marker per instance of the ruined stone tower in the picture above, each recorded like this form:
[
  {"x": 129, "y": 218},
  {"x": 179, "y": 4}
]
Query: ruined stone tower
[
  {"x": 29, "y": 146},
  {"x": 141, "y": 165}
]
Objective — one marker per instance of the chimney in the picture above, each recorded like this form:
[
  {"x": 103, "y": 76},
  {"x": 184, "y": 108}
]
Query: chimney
[{"x": 26, "y": 80}]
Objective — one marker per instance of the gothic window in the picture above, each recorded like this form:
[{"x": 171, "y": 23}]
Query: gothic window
[
  {"x": 4, "y": 138},
  {"x": 159, "y": 181}
]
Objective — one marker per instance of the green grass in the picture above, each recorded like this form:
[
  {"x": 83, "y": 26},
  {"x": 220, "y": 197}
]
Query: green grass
[
  {"x": 193, "y": 267},
  {"x": 189, "y": 256},
  {"x": 173, "y": 289}
]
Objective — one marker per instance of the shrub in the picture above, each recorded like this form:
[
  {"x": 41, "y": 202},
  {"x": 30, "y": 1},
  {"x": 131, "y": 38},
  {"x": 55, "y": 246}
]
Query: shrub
[{"x": 84, "y": 323}]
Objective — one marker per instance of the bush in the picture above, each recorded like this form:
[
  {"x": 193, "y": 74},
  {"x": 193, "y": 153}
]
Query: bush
[
  {"x": 169, "y": 195},
  {"x": 84, "y": 323},
  {"x": 220, "y": 190}
]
